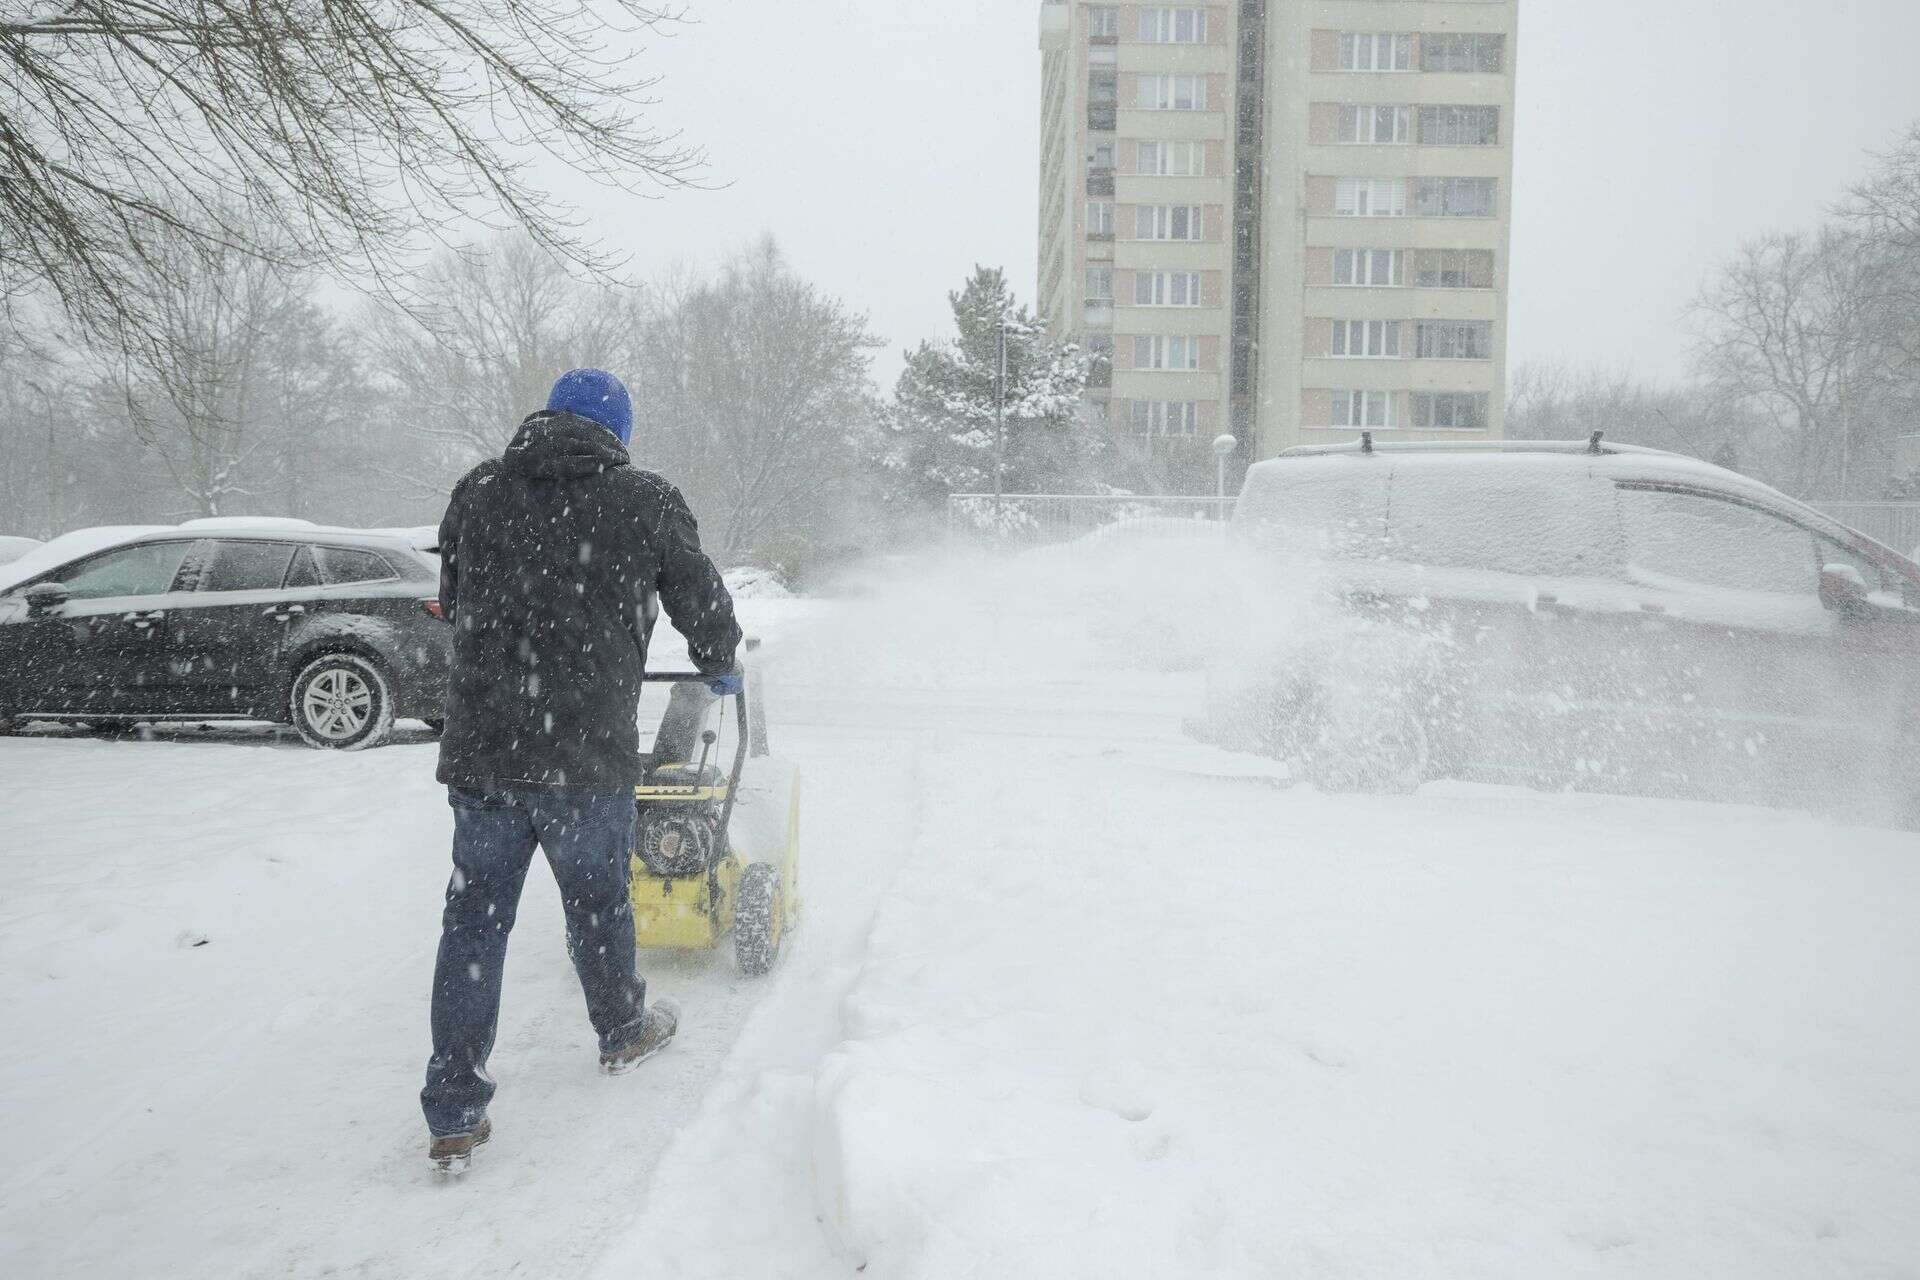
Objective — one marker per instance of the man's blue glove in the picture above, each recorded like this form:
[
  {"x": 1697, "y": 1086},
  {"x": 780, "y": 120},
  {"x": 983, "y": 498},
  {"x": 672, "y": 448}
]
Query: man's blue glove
[{"x": 727, "y": 686}]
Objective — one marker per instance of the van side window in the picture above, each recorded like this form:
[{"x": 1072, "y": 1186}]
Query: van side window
[{"x": 1679, "y": 539}]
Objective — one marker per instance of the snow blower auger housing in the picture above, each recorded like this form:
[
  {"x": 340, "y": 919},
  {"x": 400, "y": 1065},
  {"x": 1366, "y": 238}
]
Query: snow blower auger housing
[{"x": 715, "y": 852}]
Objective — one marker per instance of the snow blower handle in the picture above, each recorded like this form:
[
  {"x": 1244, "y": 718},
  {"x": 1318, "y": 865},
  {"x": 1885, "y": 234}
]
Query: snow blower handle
[{"x": 742, "y": 735}]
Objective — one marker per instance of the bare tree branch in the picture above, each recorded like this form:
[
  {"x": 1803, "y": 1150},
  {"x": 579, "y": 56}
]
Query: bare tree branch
[{"x": 353, "y": 133}]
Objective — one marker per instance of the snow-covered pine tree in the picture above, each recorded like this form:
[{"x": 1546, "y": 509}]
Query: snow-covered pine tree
[{"x": 941, "y": 429}]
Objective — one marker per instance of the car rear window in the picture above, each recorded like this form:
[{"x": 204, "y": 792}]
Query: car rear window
[
  {"x": 339, "y": 566},
  {"x": 229, "y": 565}
]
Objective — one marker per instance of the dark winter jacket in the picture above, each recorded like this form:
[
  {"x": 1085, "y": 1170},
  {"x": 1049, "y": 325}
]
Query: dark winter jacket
[{"x": 555, "y": 561}]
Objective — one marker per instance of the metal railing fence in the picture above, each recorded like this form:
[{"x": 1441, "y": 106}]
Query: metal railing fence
[
  {"x": 1035, "y": 519},
  {"x": 1895, "y": 523}
]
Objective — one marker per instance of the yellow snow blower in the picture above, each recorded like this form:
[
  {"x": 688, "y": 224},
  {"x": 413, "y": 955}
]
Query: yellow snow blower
[{"x": 716, "y": 852}]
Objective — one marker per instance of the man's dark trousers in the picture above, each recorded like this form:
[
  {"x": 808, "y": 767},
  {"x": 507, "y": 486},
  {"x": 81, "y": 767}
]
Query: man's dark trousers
[{"x": 588, "y": 839}]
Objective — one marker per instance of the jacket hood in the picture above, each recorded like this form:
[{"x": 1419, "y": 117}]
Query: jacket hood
[{"x": 553, "y": 445}]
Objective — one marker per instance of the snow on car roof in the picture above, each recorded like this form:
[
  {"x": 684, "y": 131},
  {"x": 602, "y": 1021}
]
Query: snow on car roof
[
  {"x": 1618, "y": 461},
  {"x": 1315, "y": 483},
  {"x": 248, "y": 523},
  {"x": 81, "y": 542}
]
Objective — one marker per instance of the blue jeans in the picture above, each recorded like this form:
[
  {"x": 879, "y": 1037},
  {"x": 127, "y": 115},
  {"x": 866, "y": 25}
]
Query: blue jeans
[{"x": 588, "y": 838}]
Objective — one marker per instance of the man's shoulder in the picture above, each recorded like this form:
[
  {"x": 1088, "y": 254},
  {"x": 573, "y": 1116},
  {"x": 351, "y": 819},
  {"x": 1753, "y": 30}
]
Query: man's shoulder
[
  {"x": 482, "y": 473},
  {"x": 647, "y": 486}
]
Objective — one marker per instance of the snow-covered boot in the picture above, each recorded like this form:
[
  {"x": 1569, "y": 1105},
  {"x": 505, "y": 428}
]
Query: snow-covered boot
[
  {"x": 656, "y": 1032},
  {"x": 454, "y": 1152}
]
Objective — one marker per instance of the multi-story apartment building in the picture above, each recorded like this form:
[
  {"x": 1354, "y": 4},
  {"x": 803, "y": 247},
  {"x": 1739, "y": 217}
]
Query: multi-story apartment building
[{"x": 1287, "y": 219}]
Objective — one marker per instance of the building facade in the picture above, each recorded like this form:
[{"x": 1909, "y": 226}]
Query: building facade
[{"x": 1286, "y": 219}]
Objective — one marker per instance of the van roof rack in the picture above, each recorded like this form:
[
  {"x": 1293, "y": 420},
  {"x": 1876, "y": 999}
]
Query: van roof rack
[{"x": 1592, "y": 446}]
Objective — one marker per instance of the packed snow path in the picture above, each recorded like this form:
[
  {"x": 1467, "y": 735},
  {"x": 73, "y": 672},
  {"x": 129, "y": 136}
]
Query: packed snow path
[{"x": 1073, "y": 997}]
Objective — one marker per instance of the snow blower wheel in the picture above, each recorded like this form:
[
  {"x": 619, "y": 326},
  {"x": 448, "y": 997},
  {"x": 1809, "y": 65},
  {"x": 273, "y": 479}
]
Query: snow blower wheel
[{"x": 759, "y": 919}]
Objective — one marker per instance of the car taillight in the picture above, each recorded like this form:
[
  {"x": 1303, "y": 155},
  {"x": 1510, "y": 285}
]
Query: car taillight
[{"x": 432, "y": 606}]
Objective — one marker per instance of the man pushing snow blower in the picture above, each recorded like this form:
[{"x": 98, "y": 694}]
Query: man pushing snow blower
[{"x": 555, "y": 560}]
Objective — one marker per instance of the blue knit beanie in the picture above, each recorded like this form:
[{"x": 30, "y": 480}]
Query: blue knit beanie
[{"x": 597, "y": 396}]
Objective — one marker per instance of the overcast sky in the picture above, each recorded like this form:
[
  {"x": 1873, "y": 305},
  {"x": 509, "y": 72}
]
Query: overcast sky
[{"x": 891, "y": 146}]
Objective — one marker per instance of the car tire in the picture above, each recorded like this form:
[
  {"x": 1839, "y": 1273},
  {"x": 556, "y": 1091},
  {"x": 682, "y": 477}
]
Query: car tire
[
  {"x": 759, "y": 919},
  {"x": 341, "y": 702}
]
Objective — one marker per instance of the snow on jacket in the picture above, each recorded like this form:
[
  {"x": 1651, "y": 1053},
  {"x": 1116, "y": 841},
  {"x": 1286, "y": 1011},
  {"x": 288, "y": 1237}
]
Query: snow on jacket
[{"x": 555, "y": 560}]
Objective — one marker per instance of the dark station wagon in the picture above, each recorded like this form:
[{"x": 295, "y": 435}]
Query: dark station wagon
[{"x": 336, "y": 632}]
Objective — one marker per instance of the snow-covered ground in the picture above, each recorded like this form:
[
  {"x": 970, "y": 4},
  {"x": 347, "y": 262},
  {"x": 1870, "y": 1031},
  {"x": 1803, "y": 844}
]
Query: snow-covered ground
[{"x": 1074, "y": 997}]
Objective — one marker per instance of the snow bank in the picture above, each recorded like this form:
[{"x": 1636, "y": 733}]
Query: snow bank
[
  {"x": 1112, "y": 1030},
  {"x": 750, "y": 583},
  {"x": 1132, "y": 1007}
]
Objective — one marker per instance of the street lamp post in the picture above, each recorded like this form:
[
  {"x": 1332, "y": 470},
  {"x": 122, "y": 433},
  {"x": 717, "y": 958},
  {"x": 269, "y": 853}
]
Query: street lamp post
[
  {"x": 1223, "y": 448},
  {"x": 999, "y": 412}
]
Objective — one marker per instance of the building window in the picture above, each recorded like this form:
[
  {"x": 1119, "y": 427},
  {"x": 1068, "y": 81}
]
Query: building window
[
  {"x": 1460, "y": 126},
  {"x": 1169, "y": 222},
  {"x": 1175, "y": 352},
  {"x": 1450, "y": 410},
  {"x": 1454, "y": 340},
  {"x": 1103, "y": 88},
  {"x": 1370, "y": 197},
  {"x": 1100, "y": 156},
  {"x": 1453, "y": 269},
  {"x": 1099, "y": 284},
  {"x": 1163, "y": 417},
  {"x": 1366, "y": 339},
  {"x": 1172, "y": 159},
  {"x": 1484, "y": 53},
  {"x": 1103, "y": 21},
  {"x": 1173, "y": 93},
  {"x": 1369, "y": 124},
  {"x": 1375, "y": 51},
  {"x": 1166, "y": 289},
  {"x": 1454, "y": 198},
  {"x": 1362, "y": 409},
  {"x": 1173, "y": 26},
  {"x": 1100, "y": 218},
  {"x": 1367, "y": 268}
]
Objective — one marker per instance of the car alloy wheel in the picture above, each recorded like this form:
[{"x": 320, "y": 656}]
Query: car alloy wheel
[{"x": 341, "y": 702}]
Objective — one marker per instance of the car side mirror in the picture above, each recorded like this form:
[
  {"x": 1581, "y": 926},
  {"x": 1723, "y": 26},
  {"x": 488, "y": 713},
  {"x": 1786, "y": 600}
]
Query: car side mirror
[
  {"x": 1843, "y": 589},
  {"x": 44, "y": 597}
]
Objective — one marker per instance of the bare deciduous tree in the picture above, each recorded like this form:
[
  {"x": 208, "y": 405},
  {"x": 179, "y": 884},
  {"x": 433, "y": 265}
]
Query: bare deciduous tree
[
  {"x": 1788, "y": 327},
  {"x": 293, "y": 130},
  {"x": 501, "y": 321},
  {"x": 243, "y": 363},
  {"x": 754, "y": 397}
]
